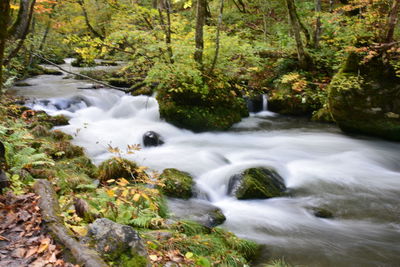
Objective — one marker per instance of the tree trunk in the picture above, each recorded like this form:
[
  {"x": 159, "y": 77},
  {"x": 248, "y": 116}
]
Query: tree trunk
[
  {"x": 87, "y": 21},
  {"x": 21, "y": 41},
  {"x": 221, "y": 11},
  {"x": 318, "y": 24},
  {"x": 392, "y": 21},
  {"x": 165, "y": 4},
  {"x": 4, "y": 20},
  {"x": 200, "y": 20},
  {"x": 301, "y": 53},
  {"x": 19, "y": 26}
]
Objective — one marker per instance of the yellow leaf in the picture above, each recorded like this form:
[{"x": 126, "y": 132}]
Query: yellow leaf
[
  {"x": 80, "y": 230},
  {"x": 110, "y": 193},
  {"x": 153, "y": 257},
  {"x": 136, "y": 197},
  {"x": 123, "y": 182},
  {"x": 125, "y": 193}
]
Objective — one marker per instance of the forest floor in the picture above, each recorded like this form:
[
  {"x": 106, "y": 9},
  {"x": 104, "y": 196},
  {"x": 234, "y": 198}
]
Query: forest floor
[{"x": 23, "y": 239}]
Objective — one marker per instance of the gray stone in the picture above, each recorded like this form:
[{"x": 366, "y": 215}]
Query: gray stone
[
  {"x": 115, "y": 239},
  {"x": 196, "y": 210}
]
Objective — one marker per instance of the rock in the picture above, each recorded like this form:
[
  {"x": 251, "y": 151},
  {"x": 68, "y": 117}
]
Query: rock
[
  {"x": 115, "y": 239},
  {"x": 322, "y": 213},
  {"x": 4, "y": 182},
  {"x": 196, "y": 210},
  {"x": 363, "y": 98},
  {"x": 255, "y": 103},
  {"x": 193, "y": 111},
  {"x": 116, "y": 168},
  {"x": 178, "y": 184},
  {"x": 256, "y": 183},
  {"x": 22, "y": 84},
  {"x": 151, "y": 138}
]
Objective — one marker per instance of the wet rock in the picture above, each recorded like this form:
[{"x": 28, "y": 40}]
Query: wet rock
[
  {"x": 178, "y": 184},
  {"x": 115, "y": 239},
  {"x": 256, "y": 183},
  {"x": 255, "y": 103},
  {"x": 196, "y": 210},
  {"x": 151, "y": 138},
  {"x": 322, "y": 213},
  {"x": 22, "y": 84},
  {"x": 363, "y": 98}
]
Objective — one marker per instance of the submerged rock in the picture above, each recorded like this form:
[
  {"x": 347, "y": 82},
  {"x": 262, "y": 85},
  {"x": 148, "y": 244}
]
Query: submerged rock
[
  {"x": 363, "y": 98},
  {"x": 196, "y": 210},
  {"x": 256, "y": 183},
  {"x": 151, "y": 138},
  {"x": 114, "y": 240},
  {"x": 322, "y": 213},
  {"x": 178, "y": 184}
]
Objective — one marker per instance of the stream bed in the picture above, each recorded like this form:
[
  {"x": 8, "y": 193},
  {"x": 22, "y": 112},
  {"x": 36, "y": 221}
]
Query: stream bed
[{"x": 356, "y": 178}]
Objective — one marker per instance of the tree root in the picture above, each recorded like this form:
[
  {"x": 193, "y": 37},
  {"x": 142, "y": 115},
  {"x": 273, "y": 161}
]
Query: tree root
[{"x": 50, "y": 210}]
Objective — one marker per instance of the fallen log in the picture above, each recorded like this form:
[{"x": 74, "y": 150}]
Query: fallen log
[
  {"x": 126, "y": 90},
  {"x": 50, "y": 211}
]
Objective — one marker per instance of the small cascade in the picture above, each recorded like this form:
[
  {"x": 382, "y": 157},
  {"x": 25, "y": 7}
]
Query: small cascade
[{"x": 264, "y": 102}]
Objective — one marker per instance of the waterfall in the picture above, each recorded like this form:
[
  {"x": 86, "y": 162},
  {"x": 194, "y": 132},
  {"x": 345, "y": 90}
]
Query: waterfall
[{"x": 264, "y": 102}]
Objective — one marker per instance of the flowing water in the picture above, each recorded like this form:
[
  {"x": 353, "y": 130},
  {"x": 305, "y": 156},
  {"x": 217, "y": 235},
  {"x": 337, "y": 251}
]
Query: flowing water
[{"x": 357, "y": 178}]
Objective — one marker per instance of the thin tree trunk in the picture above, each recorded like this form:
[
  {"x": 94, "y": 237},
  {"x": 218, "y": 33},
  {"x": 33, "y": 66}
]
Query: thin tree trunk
[
  {"x": 18, "y": 28},
  {"x": 166, "y": 28},
  {"x": 87, "y": 21},
  {"x": 214, "y": 62},
  {"x": 199, "y": 38},
  {"x": 331, "y": 2},
  {"x": 21, "y": 41},
  {"x": 392, "y": 21},
  {"x": 4, "y": 20},
  {"x": 318, "y": 24},
  {"x": 301, "y": 54}
]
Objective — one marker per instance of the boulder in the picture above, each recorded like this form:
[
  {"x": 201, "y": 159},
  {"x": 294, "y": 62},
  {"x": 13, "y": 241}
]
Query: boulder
[
  {"x": 219, "y": 110},
  {"x": 322, "y": 213},
  {"x": 151, "y": 138},
  {"x": 363, "y": 98},
  {"x": 256, "y": 183},
  {"x": 114, "y": 240},
  {"x": 196, "y": 210},
  {"x": 178, "y": 184},
  {"x": 255, "y": 103}
]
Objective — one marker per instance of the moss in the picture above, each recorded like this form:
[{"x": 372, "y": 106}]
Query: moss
[
  {"x": 217, "y": 245},
  {"x": 115, "y": 168},
  {"x": 69, "y": 180},
  {"x": 40, "y": 131},
  {"x": 43, "y": 117},
  {"x": 146, "y": 90},
  {"x": 322, "y": 115},
  {"x": 126, "y": 260},
  {"x": 259, "y": 183},
  {"x": 79, "y": 164},
  {"x": 177, "y": 183},
  {"x": 60, "y": 136},
  {"x": 62, "y": 149},
  {"x": 362, "y": 95}
]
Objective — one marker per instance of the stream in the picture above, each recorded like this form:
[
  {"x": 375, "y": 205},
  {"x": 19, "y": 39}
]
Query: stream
[{"x": 355, "y": 177}]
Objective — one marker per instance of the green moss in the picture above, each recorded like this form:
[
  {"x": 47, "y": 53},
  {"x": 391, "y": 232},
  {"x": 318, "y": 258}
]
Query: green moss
[
  {"x": 260, "y": 183},
  {"x": 218, "y": 110},
  {"x": 62, "y": 149},
  {"x": 177, "y": 183},
  {"x": 116, "y": 168},
  {"x": 126, "y": 260},
  {"x": 363, "y": 98}
]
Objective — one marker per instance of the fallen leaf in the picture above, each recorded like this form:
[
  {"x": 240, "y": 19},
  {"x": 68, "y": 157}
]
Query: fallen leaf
[
  {"x": 31, "y": 251},
  {"x": 18, "y": 253}
]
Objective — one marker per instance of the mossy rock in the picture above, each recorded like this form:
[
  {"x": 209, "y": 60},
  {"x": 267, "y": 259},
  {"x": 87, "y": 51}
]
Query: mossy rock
[
  {"x": 62, "y": 149},
  {"x": 257, "y": 183},
  {"x": 43, "y": 117},
  {"x": 219, "y": 110},
  {"x": 116, "y": 168},
  {"x": 177, "y": 183},
  {"x": 322, "y": 213},
  {"x": 145, "y": 90},
  {"x": 363, "y": 98}
]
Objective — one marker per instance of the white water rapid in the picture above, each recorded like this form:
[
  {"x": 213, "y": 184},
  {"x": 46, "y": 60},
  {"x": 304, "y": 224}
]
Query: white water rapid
[{"x": 356, "y": 178}]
